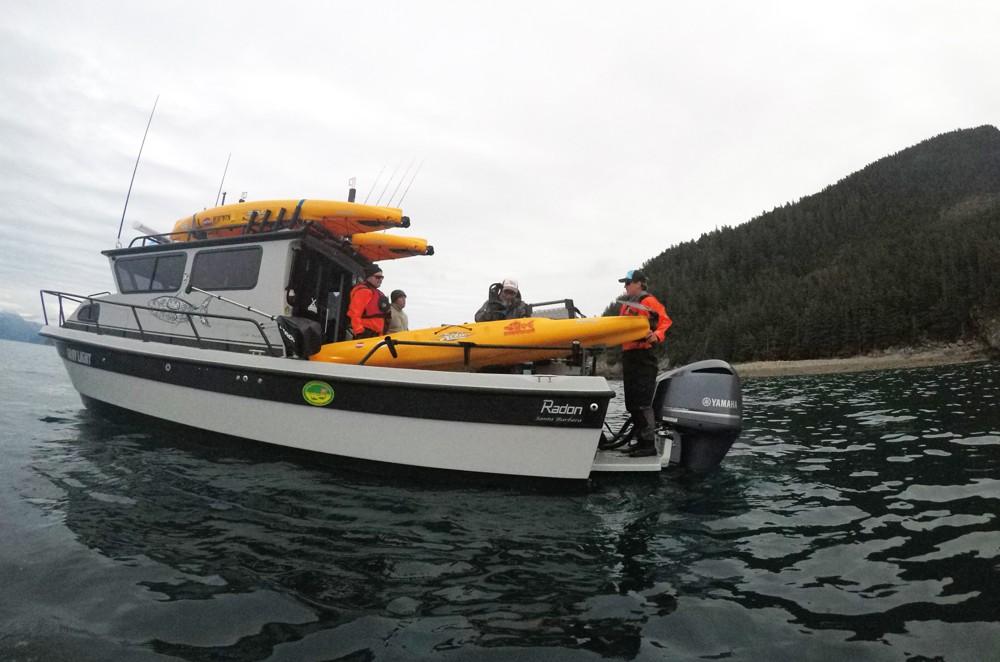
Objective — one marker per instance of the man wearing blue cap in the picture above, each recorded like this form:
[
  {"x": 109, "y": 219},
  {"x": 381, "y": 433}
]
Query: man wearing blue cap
[{"x": 639, "y": 362}]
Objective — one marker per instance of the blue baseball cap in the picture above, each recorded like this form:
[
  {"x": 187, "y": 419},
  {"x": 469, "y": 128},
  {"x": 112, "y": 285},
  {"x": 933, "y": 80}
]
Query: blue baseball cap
[{"x": 634, "y": 275}]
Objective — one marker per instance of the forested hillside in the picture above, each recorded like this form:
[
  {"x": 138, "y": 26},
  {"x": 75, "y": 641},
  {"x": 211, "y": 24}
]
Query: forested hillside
[
  {"x": 904, "y": 251},
  {"x": 13, "y": 327}
]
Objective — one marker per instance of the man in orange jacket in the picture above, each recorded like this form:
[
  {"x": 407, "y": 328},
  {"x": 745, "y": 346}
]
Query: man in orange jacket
[
  {"x": 369, "y": 308},
  {"x": 639, "y": 362}
]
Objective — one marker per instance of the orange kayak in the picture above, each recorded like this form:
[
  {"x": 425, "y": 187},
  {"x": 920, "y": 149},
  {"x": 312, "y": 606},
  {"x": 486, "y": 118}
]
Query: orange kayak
[
  {"x": 341, "y": 218},
  {"x": 506, "y": 342}
]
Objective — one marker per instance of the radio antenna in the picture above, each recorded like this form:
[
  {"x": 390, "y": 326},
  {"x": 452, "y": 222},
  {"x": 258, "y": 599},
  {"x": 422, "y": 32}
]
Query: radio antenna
[
  {"x": 375, "y": 183},
  {"x": 400, "y": 203},
  {"x": 224, "y": 171},
  {"x": 389, "y": 181},
  {"x": 118, "y": 241},
  {"x": 400, "y": 183}
]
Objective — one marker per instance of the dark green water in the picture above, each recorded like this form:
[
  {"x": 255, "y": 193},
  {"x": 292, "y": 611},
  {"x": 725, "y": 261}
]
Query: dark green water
[{"x": 856, "y": 519}]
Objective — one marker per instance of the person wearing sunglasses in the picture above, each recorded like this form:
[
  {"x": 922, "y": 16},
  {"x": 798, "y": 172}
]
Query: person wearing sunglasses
[
  {"x": 640, "y": 363},
  {"x": 369, "y": 308}
]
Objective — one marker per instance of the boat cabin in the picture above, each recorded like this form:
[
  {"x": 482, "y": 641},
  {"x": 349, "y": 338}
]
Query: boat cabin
[{"x": 225, "y": 293}]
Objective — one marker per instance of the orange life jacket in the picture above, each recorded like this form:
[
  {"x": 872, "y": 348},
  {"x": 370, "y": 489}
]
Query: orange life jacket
[
  {"x": 374, "y": 313},
  {"x": 658, "y": 320}
]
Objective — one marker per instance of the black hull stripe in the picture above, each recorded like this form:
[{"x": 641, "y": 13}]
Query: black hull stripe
[{"x": 554, "y": 409}]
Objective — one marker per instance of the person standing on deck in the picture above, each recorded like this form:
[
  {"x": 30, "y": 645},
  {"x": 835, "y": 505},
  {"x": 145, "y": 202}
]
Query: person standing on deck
[
  {"x": 369, "y": 308},
  {"x": 639, "y": 362},
  {"x": 398, "y": 320}
]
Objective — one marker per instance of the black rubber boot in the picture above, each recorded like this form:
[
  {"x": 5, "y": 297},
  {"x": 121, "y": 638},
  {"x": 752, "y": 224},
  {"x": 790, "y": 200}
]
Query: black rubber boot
[{"x": 645, "y": 424}]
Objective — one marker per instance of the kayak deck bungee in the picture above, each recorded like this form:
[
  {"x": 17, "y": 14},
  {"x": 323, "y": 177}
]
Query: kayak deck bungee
[
  {"x": 505, "y": 342},
  {"x": 380, "y": 246},
  {"x": 340, "y": 218}
]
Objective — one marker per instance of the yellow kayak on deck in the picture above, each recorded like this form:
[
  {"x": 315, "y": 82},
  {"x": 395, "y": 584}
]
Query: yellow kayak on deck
[
  {"x": 521, "y": 340},
  {"x": 379, "y": 246},
  {"x": 341, "y": 218}
]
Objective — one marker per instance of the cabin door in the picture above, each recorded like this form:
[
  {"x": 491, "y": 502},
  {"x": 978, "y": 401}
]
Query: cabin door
[{"x": 318, "y": 289}]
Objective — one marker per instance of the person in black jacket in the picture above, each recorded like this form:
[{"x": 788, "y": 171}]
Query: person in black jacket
[{"x": 504, "y": 303}]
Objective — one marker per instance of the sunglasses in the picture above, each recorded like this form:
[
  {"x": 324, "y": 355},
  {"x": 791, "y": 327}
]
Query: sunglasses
[{"x": 379, "y": 277}]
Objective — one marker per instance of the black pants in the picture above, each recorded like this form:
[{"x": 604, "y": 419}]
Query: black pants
[{"x": 639, "y": 368}]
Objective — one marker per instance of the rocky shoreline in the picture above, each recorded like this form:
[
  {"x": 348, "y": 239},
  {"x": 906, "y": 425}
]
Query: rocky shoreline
[{"x": 890, "y": 359}]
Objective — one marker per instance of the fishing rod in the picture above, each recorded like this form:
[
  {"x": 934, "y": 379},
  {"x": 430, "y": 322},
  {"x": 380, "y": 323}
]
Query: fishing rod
[
  {"x": 633, "y": 304},
  {"x": 400, "y": 203},
  {"x": 405, "y": 172},
  {"x": 189, "y": 289},
  {"x": 118, "y": 240},
  {"x": 389, "y": 181},
  {"x": 224, "y": 171},
  {"x": 375, "y": 183}
]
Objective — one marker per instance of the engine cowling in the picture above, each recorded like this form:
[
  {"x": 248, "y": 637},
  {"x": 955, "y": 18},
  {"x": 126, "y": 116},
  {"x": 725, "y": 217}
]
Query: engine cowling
[
  {"x": 703, "y": 402},
  {"x": 302, "y": 337}
]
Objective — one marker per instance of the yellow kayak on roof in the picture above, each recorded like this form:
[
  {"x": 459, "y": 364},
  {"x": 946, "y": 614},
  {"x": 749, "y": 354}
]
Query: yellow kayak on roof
[
  {"x": 341, "y": 218},
  {"x": 379, "y": 246},
  {"x": 520, "y": 341}
]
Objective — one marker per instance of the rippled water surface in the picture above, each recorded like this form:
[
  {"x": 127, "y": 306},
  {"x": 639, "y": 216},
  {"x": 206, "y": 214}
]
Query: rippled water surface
[{"x": 855, "y": 519}]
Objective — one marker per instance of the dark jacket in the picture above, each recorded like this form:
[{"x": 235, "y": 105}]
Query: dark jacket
[{"x": 495, "y": 309}]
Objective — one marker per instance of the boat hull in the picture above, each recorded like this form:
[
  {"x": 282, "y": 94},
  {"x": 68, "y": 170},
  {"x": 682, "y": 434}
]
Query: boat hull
[
  {"x": 507, "y": 342},
  {"x": 519, "y": 425}
]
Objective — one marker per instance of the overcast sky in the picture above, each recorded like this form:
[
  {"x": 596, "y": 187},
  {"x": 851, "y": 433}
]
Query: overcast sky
[{"x": 561, "y": 143}]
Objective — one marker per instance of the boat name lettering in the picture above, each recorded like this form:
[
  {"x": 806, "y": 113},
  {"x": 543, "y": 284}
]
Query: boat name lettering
[
  {"x": 550, "y": 407},
  {"x": 76, "y": 356},
  {"x": 719, "y": 402}
]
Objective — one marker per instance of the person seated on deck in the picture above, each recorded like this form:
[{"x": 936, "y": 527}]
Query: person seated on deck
[
  {"x": 369, "y": 308},
  {"x": 504, "y": 303}
]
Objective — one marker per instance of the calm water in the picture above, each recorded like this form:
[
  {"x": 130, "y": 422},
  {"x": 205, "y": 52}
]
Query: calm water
[{"x": 856, "y": 519}]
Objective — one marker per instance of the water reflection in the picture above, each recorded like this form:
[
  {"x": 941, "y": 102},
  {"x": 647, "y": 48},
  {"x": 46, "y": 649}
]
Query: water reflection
[{"x": 855, "y": 510}]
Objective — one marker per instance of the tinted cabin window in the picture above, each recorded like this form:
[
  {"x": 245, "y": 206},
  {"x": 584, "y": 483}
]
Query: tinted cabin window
[
  {"x": 235, "y": 269},
  {"x": 153, "y": 273}
]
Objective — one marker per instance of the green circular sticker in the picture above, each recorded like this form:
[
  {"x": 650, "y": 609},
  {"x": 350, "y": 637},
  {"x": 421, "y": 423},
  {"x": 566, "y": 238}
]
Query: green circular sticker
[{"x": 318, "y": 393}]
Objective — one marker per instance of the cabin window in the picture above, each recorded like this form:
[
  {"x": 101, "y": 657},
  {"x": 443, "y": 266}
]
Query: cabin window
[
  {"x": 232, "y": 269},
  {"x": 151, "y": 273}
]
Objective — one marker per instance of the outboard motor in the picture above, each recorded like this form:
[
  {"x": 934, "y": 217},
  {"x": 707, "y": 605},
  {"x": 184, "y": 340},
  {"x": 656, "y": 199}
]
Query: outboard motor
[
  {"x": 703, "y": 403},
  {"x": 302, "y": 337}
]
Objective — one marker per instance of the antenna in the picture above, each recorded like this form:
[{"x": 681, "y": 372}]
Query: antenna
[
  {"x": 118, "y": 241},
  {"x": 400, "y": 203},
  {"x": 224, "y": 171},
  {"x": 405, "y": 172},
  {"x": 376, "y": 180}
]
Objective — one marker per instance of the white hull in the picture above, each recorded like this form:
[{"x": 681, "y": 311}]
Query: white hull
[
  {"x": 164, "y": 347},
  {"x": 539, "y": 451}
]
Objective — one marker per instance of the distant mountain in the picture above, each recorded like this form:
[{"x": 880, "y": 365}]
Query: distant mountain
[
  {"x": 13, "y": 327},
  {"x": 904, "y": 251}
]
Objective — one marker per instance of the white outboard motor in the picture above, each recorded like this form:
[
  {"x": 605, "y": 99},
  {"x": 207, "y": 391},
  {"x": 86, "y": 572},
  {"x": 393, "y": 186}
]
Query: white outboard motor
[{"x": 703, "y": 402}]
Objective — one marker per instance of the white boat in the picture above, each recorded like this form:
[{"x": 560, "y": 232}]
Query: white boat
[{"x": 187, "y": 338}]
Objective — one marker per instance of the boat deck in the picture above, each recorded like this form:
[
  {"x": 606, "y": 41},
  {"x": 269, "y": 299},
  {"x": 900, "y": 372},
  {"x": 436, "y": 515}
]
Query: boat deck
[{"x": 618, "y": 461}]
